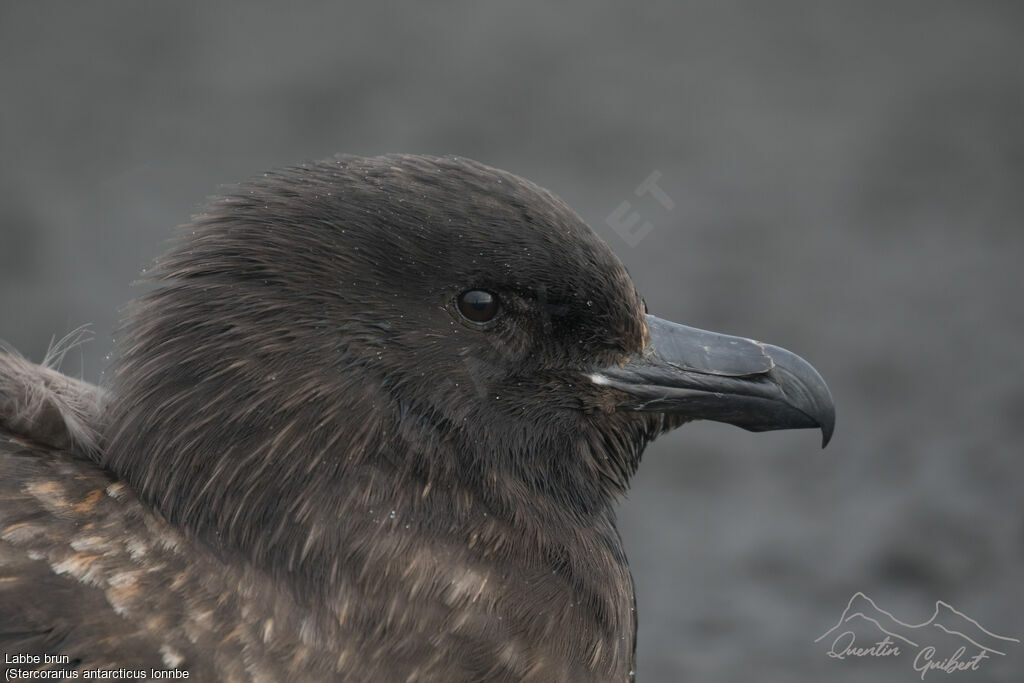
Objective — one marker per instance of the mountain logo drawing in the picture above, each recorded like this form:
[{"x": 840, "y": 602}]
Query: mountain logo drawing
[{"x": 949, "y": 641}]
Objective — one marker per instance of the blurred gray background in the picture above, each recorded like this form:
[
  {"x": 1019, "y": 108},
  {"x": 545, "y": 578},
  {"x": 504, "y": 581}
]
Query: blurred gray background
[{"x": 847, "y": 179}]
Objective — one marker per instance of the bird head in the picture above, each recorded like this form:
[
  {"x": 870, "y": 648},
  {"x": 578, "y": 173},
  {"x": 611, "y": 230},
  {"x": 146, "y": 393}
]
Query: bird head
[{"x": 430, "y": 317}]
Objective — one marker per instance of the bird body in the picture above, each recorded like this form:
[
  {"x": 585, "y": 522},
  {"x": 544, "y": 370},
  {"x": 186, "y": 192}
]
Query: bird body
[
  {"x": 91, "y": 573},
  {"x": 371, "y": 424}
]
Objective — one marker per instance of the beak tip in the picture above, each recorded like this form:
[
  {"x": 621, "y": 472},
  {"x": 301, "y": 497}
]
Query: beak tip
[
  {"x": 827, "y": 421},
  {"x": 805, "y": 389},
  {"x": 829, "y": 426}
]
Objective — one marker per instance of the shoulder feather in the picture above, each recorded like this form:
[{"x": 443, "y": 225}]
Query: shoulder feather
[{"x": 41, "y": 404}]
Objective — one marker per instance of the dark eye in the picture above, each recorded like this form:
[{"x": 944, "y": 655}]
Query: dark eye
[{"x": 478, "y": 306}]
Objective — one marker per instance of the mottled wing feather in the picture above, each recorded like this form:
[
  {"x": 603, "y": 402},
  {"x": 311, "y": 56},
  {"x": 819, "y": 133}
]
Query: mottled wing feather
[
  {"x": 87, "y": 572},
  {"x": 68, "y": 582}
]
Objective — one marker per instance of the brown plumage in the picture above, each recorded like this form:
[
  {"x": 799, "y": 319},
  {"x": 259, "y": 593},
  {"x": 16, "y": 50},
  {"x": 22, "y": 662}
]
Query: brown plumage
[{"x": 310, "y": 466}]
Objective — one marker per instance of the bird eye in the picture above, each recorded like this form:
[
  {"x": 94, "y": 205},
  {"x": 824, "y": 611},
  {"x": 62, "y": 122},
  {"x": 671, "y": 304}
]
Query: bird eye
[{"x": 478, "y": 306}]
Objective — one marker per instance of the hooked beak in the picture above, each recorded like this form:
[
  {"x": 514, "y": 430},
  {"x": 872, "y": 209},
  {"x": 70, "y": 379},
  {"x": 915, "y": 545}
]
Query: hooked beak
[{"x": 708, "y": 376}]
